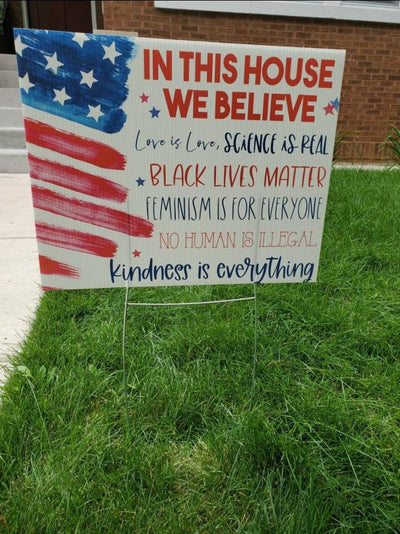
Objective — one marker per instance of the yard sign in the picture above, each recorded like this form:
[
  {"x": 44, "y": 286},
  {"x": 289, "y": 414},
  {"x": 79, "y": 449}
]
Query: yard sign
[{"x": 158, "y": 162}]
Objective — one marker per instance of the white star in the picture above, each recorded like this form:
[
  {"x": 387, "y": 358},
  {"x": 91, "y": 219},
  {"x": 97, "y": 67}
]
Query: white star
[
  {"x": 110, "y": 52},
  {"x": 88, "y": 78},
  {"x": 80, "y": 38},
  {"x": 53, "y": 63},
  {"x": 94, "y": 112},
  {"x": 19, "y": 45},
  {"x": 61, "y": 96},
  {"x": 25, "y": 83}
]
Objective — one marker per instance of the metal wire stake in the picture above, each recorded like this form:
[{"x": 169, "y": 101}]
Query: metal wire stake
[
  {"x": 255, "y": 349},
  {"x": 124, "y": 361}
]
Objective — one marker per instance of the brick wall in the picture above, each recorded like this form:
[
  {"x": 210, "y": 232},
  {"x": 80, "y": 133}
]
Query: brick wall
[{"x": 371, "y": 86}]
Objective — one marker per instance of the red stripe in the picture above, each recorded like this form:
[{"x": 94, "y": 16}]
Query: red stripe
[
  {"x": 88, "y": 212},
  {"x": 72, "y": 145},
  {"x": 71, "y": 178},
  {"x": 75, "y": 240},
  {"x": 49, "y": 266},
  {"x": 49, "y": 288}
]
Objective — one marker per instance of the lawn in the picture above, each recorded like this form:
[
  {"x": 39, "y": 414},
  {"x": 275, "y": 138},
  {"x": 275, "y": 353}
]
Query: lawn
[{"x": 198, "y": 435}]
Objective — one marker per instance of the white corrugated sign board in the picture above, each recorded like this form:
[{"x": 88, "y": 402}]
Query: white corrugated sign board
[{"x": 157, "y": 162}]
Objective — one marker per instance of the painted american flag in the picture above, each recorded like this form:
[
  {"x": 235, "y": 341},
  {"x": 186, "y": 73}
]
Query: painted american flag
[{"x": 73, "y": 89}]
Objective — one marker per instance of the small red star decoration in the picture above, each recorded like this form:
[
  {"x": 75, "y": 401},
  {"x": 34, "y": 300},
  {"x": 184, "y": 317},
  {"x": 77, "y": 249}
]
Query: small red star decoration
[
  {"x": 136, "y": 253},
  {"x": 329, "y": 109},
  {"x": 144, "y": 98}
]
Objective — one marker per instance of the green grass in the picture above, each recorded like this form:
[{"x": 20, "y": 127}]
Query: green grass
[{"x": 189, "y": 449}]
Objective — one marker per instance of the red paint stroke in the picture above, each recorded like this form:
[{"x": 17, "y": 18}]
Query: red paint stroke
[
  {"x": 75, "y": 240},
  {"x": 76, "y": 180},
  {"x": 88, "y": 212},
  {"x": 81, "y": 148},
  {"x": 49, "y": 288},
  {"x": 49, "y": 266}
]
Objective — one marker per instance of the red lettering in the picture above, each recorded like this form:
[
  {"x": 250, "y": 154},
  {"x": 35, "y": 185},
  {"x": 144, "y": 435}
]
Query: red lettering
[
  {"x": 292, "y": 82},
  {"x": 206, "y": 67},
  {"x": 155, "y": 170},
  {"x": 222, "y": 107},
  {"x": 294, "y": 71},
  {"x": 146, "y": 61},
  {"x": 326, "y": 74},
  {"x": 293, "y": 110},
  {"x": 250, "y": 70},
  {"x": 217, "y": 69},
  {"x": 251, "y": 116},
  {"x": 229, "y": 66},
  {"x": 279, "y": 65},
  {"x": 276, "y": 106},
  {"x": 310, "y": 68},
  {"x": 238, "y": 106},
  {"x": 177, "y": 103},
  {"x": 158, "y": 64},
  {"x": 307, "y": 112},
  {"x": 199, "y": 103},
  {"x": 187, "y": 57}
]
